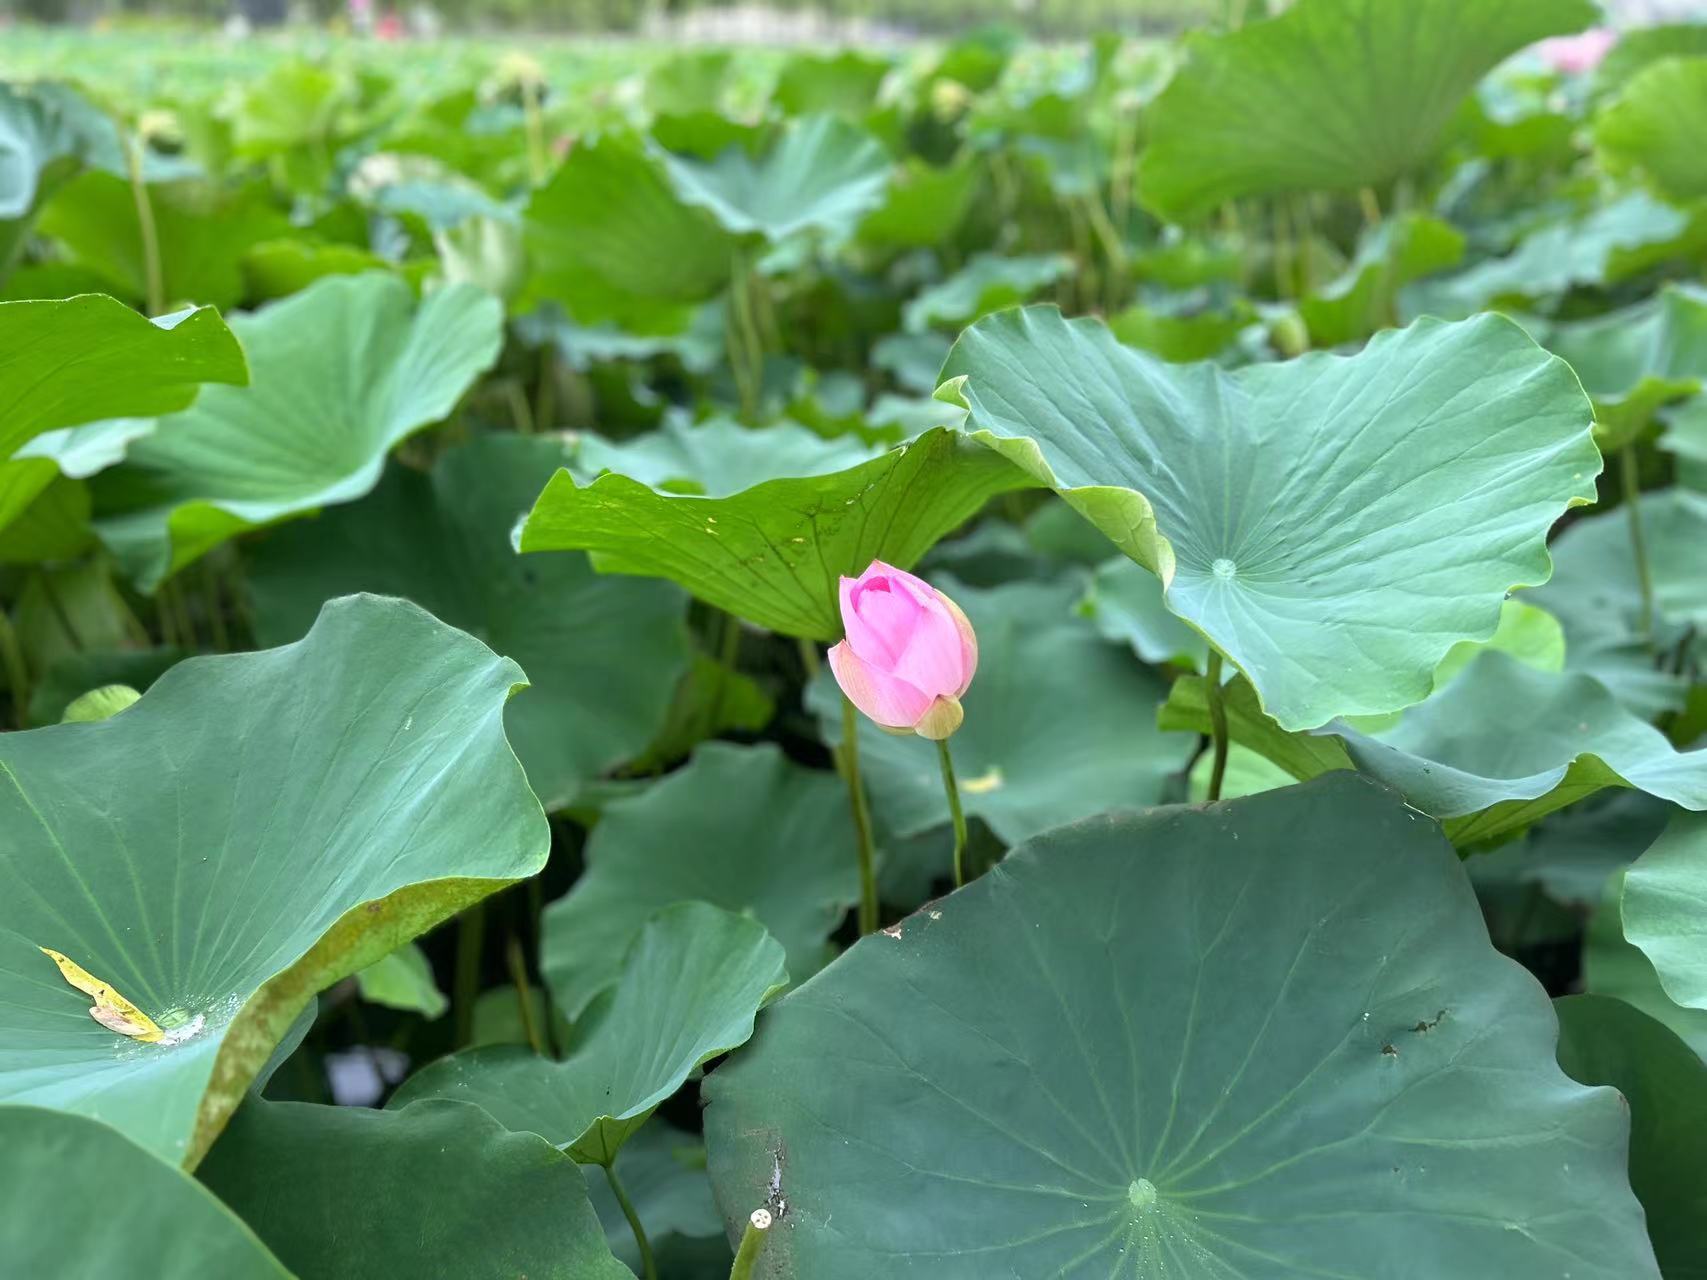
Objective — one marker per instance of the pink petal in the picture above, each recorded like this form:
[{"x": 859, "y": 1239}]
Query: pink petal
[
  {"x": 968, "y": 645},
  {"x": 891, "y": 702},
  {"x": 878, "y": 617},
  {"x": 934, "y": 657}
]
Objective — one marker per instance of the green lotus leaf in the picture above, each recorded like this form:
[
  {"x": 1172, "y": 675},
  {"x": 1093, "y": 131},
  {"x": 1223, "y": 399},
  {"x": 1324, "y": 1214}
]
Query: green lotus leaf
[
  {"x": 823, "y": 175},
  {"x": 1365, "y": 296},
  {"x": 1504, "y": 744},
  {"x": 255, "y": 828},
  {"x": 1640, "y": 47},
  {"x": 48, "y": 134},
  {"x": 85, "y": 670},
  {"x": 1606, "y": 1042},
  {"x": 81, "y": 1200},
  {"x": 439, "y": 1188},
  {"x": 690, "y": 985},
  {"x": 1302, "y": 755},
  {"x": 1059, "y": 725},
  {"x": 340, "y": 373},
  {"x": 1601, "y": 246},
  {"x": 1616, "y": 967},
  {"x": 924, "y": 205},
  {"x": 771, "y": 553},
  {"x": 1330, "y": 95},
  {"x": 1596, "y": 597},
  {"x": 1665, "y": 908},
  {"x": 604, "y": 654},
  {"x": 988, "y": 282},
  {"x": 1333, "y": 524},
  {"x": 1182, "y": 338},
  {"x": 718, "y": 457},
  {"x": 739, "y": 827},
  {"x": 845, "y": 82},
  {"x": 1253, "y": 1039},
  {"x": 102, "y": 360},
  {"x": 595, "y": 235},
  {"x": 202, "y": 231},
  {"x": 1648, "y": 128},
  {"x": 403, "y": 980},
  {"x": 1634, "y": 360},
  {"x": 663, "y": 1171},
  {"x": 1125, "y": 604}
]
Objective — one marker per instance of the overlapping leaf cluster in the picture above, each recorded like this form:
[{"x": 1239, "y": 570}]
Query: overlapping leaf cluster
[{"x": 424, "y": 482}]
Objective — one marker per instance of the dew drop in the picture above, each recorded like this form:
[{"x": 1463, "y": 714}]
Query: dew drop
[
  {"x": 1224, "y": 568},
  {"x": 1142, "y": 1193}
]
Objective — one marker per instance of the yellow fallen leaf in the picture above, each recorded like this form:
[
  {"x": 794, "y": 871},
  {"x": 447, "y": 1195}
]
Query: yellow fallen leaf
[{"x": 110, "y": 1009}]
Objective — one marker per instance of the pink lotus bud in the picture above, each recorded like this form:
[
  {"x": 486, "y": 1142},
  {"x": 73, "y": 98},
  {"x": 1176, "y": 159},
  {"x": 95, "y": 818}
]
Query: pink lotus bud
[
  {"x": 909, "y": 653},
  {"x": 1579, "y": 54}
]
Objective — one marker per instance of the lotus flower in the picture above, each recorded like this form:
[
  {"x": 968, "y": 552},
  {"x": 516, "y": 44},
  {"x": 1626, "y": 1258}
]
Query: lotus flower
[
  {"x": 1578, "y": 54},
  {"x": 909, "y": 654}
]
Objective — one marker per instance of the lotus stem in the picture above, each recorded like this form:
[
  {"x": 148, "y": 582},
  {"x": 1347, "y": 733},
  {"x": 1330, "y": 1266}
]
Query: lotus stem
[
  {"x": 470, "y": 938},
  {"x": 17, "y": 675},
  {"x": 519, "y": 979},
  {"x": 1638, "y": 539},
  {"x": 1217, "y": 724},
  {"x": 752, "y": 1244},
  {"x": 539, "y": 164},
  {"x": 952, "y": 790},
  {"x": 648, "y": 1266},
  {"x": 861, "y": 819},
  {"x": 154, "y": 280}
]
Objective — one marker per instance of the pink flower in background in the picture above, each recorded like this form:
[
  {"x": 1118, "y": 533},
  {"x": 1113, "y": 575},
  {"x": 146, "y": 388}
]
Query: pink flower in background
[
  {"x": 1575, "y": 55},
  {"x": 909, "y": 654}
]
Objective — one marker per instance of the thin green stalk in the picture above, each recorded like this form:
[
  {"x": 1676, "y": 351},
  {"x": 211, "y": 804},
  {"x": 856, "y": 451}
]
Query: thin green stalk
[
  {"x": 861, "y": 817},
  {"x": 1638, "y": 539},
  {"x": 17, "y": 674},
  {"x": 752, "y": 1244},
  {"x": 153, "y": 277},
  {"x": 952, "y": 790},
  {"x": 728, "y": 662},
  {"x": 520, "y": 410},
  {"x": 1371, "y": 207},
  {"x": 539, "y": 166},
  {"x": 215, "y": 607},
  {"x": 751, "y": 386},
  {"x": 1218, "y": 725},
  {"x": 57, "y": 607},
  {"x": 809, "y": 660},
  {"x": 470, "y": 941},
  {"x": 519, "y": 979},
  {"x": 544, "y": 395},
  {"x": 648, "y": 1267}
]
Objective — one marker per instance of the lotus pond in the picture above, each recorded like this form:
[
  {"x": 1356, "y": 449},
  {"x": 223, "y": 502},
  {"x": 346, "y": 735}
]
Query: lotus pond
[{"x": 970, "y": 661}]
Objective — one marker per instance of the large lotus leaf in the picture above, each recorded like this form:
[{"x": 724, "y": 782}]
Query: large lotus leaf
[
  {"x": 1606, "y": 1042},
  {"x": 1332, "y": 94},
  {"x": 1601, "y": 246},
  {"x": 1364, "y": 297},
  {"x": 741, "y": 828},
  {"x": 772, "y": 552},
  {"x": 202, "y": 233},
  {"x": 1595, "y": 594},
  {"x": 1333, "y": 524},
  {"x": 824, "y": 174},
  {"x": 987, "y": 283},
  {"x": 81, "y": 1200},
  {"x": 1125, "y": 603},
  {"x": 603, "y": 654},
  {"x": 255, "y": 828},
  {"x": 1265, "y": 1038},
  {"x": 1504, "y": 744},
  {"x": 1635, "y": 359},
  {"x": 48, "y": 134},
  {"x": 718, "y": 457},
  {"x": 1614, "y": 966},
  {"x": 437, "y": 1189},
  {"x": 341, "y": 373},
  {"x": 690, "y": 985},
  {"x": 77, "y": 360},
  {"x": 845, "y": 82},
  {"x": 1650, "y": 127},
  {"x": 925, "y": 205},
  {"x": 1060, "y": 724},
  {"x": 609, "y": 231},
  {"x": 1665, "y": 908}
]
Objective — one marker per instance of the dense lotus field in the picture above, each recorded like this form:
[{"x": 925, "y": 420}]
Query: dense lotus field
[{"x": 972, "y": 662}]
